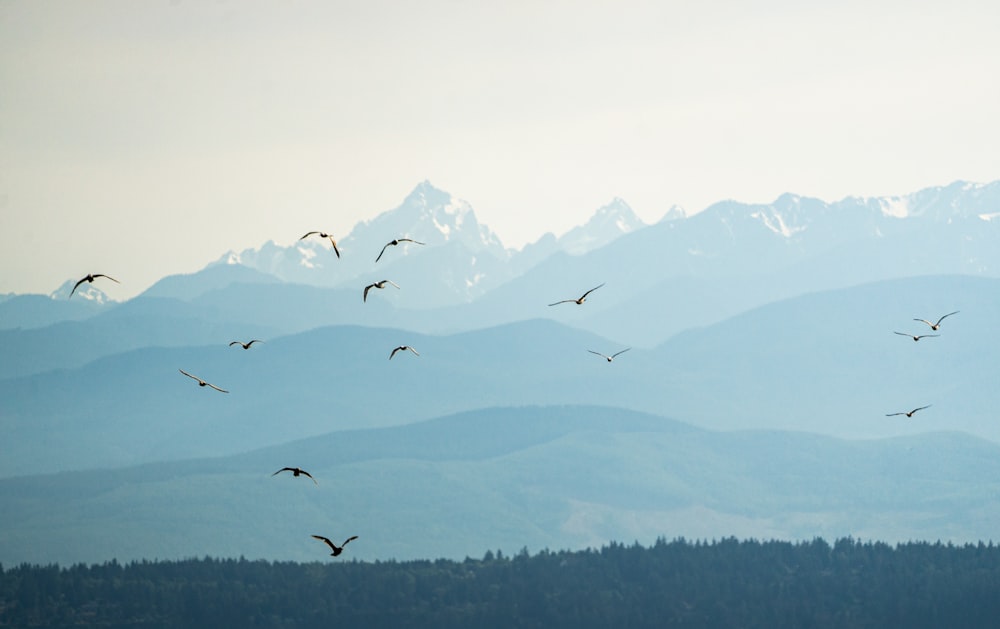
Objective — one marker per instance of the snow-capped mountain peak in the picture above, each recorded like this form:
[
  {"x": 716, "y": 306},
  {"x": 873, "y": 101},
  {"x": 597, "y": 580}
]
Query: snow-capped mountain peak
[
  {"x": 443, "y": 225},
  {"x": 433, "y": 216},
  {"x": 607, "y": 224},
  {"x": 85, "y": 291},
  {"x": 674, "y": 213}
]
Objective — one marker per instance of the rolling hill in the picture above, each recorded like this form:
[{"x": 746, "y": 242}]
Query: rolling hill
[{"x": 534, "y": 477}]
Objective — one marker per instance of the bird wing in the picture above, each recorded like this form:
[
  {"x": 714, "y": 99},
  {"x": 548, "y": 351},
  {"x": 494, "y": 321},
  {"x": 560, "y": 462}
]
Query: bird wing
[
  {"x": 328, "y": 542},
  {"x": 925, "y": 321},
  {"x": 383, "y": 251},
  {"x": 394, "y": 352},
  {"x": 216, "y": 388},
  {"x": 254, "y": 341},
  {"x": 892, "y": 414},
  {"x": 309, "y": 475},
  {"x": 903, "y": 334},
  {"x": 189, "y": 375},
  {"x": 309, "y": 234},
  {"x": 365, "y": 296},
  {"x": 235, "y": 343},
  {"x": 334, "y": 243},
  {"x": 598, "y": 353},
  {"x": 947, "y": 315},
  {"x": 117, "y": 282},
  {"x": 590, "y": 291},
  {"x": 391, "y": 282},
  {"x": 75, "y": 286},
  {"x": 621, "y": 352},
  {"x": 927, "y": 336},
  {"x": 284, "y": 469},
  {"x": 413, "y": 350},
  {"x": 564, "y": 301},
  {"x": 920, "y": 409},
  {"x": 410, "y": 240},
  {"x": 349, "y": 539}
]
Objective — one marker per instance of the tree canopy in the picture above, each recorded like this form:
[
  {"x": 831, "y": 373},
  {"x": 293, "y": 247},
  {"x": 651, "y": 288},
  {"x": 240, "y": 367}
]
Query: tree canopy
[{"x": 721, "y": 583}]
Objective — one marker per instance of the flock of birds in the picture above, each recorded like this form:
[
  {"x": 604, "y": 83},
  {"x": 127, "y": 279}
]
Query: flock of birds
[
  {"x": 296, "y": 471},
  {"x": 916, "y": 337}
]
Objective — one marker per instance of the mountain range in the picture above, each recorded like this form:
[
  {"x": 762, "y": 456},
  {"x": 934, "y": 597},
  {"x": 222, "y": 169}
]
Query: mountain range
[
  {"x": 774, "y": 332},
  {"x": 510, "y": 478}
]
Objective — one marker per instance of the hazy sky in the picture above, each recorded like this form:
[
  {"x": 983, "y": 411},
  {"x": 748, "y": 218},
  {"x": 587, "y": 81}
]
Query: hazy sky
[{"x": 141, "y": 139}]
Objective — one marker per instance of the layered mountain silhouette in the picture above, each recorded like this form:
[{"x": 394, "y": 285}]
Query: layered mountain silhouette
[
  {"x": 768, "y": 329},
  {"x": 826, "y": 362},
  {"x": 510, "y": 478}
]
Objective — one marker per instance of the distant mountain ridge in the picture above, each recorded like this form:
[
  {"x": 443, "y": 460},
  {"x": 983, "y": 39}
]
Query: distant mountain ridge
[
  {"x": 949, "y": 229},
  {"x": 825, "y": 362},
  {"x": 513, "y": 477},
  {"x": 753, "y": 318},
  {"x": 475, "y": 260}
]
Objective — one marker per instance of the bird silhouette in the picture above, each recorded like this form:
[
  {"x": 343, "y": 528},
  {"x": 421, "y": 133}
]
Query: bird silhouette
[
  {"x": 322, "y": 235},
  {"x": 909, "y": 414},
  {"x": 90, "y": 279},
  {"x": 935, "y": 326},
  {"x": 201, "y": 382},
  {"x": 336, "y": 549},
  {"x": 245, "y": 345},
  {"x": 380, "y": 284},
  {"x": 402, "y": 348},
  {"x": 296, "y": 471},
  {"x": 917, "y": 337},
  {"x": 393, "y": 243},
  {"x": 611, "y": 357},
  {"x": 582, "y": 298}
]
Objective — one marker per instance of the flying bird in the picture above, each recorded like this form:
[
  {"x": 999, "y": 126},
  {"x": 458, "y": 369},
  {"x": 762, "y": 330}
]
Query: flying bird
[
  {"x": 393, "y": 243},
  {"x": 377, "y": 285},
  {"x": 582, "y": 298},
  {"x": 910, "y": 414},
  {"x": 245, "y": 345},
  {"x": 90, "y": 279},
  {"x": 296, "y": 471},
  {"x": 402, "y": 348},
  {"x": 917, "y": 337},
  {"x": 935, "y": 326},
  {"x": 611, "y": 357},
  {"x": 201, "y": 382},
  {"x": 322, "y": 235},
  {"x": 336, "y": 549}
]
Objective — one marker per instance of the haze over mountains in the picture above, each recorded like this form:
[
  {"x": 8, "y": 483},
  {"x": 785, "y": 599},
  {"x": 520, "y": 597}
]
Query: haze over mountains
[
  {"x": 775, "y": 318},
  {"x": 535, "y": 477}
]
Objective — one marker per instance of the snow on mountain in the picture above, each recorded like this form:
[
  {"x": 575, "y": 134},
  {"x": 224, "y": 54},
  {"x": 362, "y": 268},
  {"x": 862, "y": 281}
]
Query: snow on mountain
[
  {"x": 86, "y": 291},
  {"x": 674, "y": 213},
  {"x": 895, "y": 207},
  {"x": 462, "y": 259},
  {"x": 607, "y": 224},
  {"x": 959, "y": 199},
  {"x": 446, "y": 226},
  {"x": 431, "y": 216}
]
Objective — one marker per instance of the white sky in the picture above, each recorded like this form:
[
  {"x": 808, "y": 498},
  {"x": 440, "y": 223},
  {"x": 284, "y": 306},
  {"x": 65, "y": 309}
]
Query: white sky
[{"x": 147, "y": 138}]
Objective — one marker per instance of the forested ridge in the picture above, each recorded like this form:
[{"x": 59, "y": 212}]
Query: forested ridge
[{"x": 723, "y": 583}]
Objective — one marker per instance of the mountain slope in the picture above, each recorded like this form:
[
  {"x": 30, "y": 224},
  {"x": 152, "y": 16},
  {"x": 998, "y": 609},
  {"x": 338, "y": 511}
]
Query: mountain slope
[
  {"x": 826, "y": 363},
  {"x": 473, "y": 258},
  {"x": 38, "y": 311},
  {"x": 135, "y": 407},
  {"x": 533, "y": 477}
]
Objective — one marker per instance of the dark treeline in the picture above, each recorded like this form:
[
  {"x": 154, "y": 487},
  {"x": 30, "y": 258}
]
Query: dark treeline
[{"x": 727, "y": 583}]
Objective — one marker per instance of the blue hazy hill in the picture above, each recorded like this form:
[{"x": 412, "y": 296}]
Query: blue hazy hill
[{"x": 535, "y": 477}]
